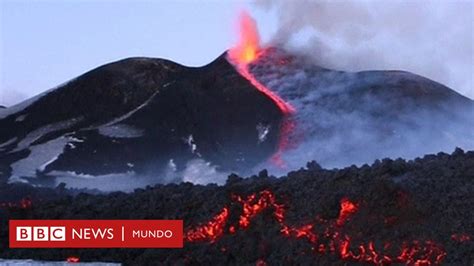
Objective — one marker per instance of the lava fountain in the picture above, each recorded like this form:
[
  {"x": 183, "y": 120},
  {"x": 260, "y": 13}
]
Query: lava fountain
[
  {"x": 246, "y": 52},
  {"x": 241, "y": 56}
]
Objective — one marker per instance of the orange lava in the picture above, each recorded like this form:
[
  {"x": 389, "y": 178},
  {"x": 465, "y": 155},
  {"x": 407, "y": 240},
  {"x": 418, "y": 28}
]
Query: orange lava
[
  {"x": 210, "y": 231},
  {"x": 326, "y": 237},
  {"x": 249, "y": 40},
  {"x": 245, "y": 52},
  {"x": 347, "y": 209},
  {"x": 72, "y": 260},
  {"x": 284, "y": 107}
]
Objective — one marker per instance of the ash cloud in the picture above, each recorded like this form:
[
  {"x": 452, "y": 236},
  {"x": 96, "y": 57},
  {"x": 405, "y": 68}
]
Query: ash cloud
[
  {"x": 346, "y": 118},
  {"x": 430, "y": 38}
]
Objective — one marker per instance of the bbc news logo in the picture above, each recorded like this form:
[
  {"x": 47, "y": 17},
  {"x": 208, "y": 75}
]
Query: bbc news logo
[
  {"x": 41, "y": 233},
  {"x": 96, "y": 233}
]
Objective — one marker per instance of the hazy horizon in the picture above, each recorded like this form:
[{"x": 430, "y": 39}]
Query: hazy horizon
[{"x": 46, "y": 43}]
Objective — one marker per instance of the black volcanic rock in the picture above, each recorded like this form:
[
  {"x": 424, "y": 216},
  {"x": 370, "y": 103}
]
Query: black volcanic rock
[
  {"x": 139, "y": 114},
  {"x": 212, "y": 107},
  {"x": 426, "y": 199}
]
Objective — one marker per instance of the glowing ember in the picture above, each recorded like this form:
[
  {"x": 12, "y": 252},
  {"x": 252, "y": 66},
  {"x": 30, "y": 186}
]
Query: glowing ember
[
  {"x": 72, "y": 260},
  {"x": 211, "y": 230},
  {"x": 249, "y": 41},
  {"x": 326, "y": 237},
  {"x": 24, "y": 203},
  {"x": 461, "y": 238},
  {"x": 347, "y": 209}
]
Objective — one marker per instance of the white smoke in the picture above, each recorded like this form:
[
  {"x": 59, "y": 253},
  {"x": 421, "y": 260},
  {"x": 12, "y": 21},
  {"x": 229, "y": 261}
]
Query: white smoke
[
  {"x": 430, "y": 38},
  {"x": 346, "y": 118},
  {"x": 201, "y": 172}
]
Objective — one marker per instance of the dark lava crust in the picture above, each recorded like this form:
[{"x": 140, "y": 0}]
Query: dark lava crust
[{"x": 429, "y": 198}]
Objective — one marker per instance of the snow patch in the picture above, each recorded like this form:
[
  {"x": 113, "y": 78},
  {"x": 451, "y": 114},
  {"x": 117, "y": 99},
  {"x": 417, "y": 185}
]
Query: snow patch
[
  {"x": 126, "y": 181},
  {"x": 41, "y": 156},
  {"x": 120, "y": 131},
  {"x": 21, "y": 118},
  {"x": 38, "y": 133},
  {"x": 262, "y": 132},
  {"x": 8, "y": 142}
]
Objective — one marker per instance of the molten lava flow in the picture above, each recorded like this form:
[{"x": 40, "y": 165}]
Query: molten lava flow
[
  {"x": 347, "y": 209},
  {"x": 325, "y": 236},
  {"x": 241, "y": 56},
  {"x": 246, "y": 52},
  {"x": 210, "y": 231}
]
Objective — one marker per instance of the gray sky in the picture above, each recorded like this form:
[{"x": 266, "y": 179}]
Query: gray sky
[{"x": 47, "y": 42}]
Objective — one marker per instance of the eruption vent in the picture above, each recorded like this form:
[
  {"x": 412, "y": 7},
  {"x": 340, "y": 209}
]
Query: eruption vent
[
  {"x": 249, "y": 41},
  {"x": 245, "y": 52}
]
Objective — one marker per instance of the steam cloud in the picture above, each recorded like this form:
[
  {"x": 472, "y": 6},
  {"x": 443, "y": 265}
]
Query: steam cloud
[
  {"x": 346, "y": 118},
  {"x": 430, "y": 38}
]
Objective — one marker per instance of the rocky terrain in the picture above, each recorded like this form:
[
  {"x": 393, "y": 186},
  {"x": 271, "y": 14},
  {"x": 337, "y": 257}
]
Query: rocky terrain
[
  {"x": 142, "y": 121},
  {"x": 416, "y": 212},
  {"x": 137, "y": 117}
]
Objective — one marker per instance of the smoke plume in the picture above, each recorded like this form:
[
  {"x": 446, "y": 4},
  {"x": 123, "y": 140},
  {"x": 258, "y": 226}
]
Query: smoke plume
[{"x": 430, "y": 38}]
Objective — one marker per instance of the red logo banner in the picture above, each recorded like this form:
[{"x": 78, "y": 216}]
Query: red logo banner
[{"x": 96, "y": 233}]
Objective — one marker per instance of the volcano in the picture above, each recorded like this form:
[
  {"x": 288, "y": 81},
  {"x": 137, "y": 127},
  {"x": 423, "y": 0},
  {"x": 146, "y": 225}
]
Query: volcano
[
  {"x": 139, "y": 115},
  {"x": 133, "y": 120},
  {"x": 141, "y": 120},
  {"x": 147, "y": 138}
]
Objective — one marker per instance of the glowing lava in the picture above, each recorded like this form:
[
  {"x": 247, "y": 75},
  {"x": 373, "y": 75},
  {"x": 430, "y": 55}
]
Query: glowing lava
[
  {"x": 73, "y": 259},
  {"x": 246, "y": 52},
  {"x": 210, "y": 231},
  {"x": 249, "y": 41},
  {"x": 347, "y": 209},
  {"x": 325, "y": 236}
]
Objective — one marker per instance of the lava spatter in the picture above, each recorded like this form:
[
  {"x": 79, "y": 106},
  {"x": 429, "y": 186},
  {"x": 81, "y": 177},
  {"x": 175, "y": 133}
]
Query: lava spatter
[{"x": 325, "y": 236}]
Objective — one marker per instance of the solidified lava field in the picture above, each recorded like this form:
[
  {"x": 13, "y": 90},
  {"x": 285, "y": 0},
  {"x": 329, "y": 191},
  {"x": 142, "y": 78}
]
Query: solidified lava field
[{"x": 398, "y": 212}]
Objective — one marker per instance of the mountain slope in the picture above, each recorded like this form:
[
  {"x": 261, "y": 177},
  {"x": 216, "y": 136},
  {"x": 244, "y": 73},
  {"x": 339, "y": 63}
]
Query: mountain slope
[
  {"x": 121, "y": 125},
  {"x": 137, "y": 115}
]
